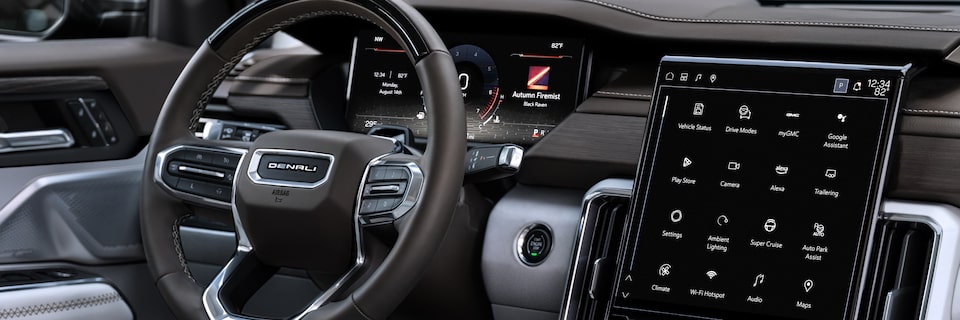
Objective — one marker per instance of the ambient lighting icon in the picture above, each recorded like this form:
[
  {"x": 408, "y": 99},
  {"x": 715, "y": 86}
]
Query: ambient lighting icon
[{"x": 538, "y": 78}]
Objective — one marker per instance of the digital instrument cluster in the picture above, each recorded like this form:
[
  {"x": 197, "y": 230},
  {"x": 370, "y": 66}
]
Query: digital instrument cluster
[
  {"x": 515, "y": 89},
  {"x": 759, "y": 186}
]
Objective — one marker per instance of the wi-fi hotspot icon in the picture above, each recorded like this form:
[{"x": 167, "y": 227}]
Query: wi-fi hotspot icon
[{"x": 711, "y": 274}]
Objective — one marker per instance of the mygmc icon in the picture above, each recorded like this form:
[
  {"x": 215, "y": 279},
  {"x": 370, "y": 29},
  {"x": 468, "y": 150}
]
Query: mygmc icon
[{"x": 291, "y": 167}]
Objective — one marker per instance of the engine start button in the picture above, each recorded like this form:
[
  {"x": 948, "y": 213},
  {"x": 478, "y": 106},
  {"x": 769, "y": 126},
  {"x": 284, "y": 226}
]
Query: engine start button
[{"x": 534, "y": 244}]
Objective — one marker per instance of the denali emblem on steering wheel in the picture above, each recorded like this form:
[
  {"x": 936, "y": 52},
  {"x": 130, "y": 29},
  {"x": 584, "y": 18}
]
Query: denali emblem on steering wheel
[{"x": 289, "y": 168}]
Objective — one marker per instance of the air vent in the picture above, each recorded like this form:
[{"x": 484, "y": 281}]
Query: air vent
[
  {"x": 606, "y": 216},
  {"x": 900, "y": 270}
]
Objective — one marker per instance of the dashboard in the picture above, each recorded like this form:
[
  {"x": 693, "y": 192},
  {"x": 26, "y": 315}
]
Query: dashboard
[
  {"x": 774, "y": 162},
  {"x": 681, "y": 159}
]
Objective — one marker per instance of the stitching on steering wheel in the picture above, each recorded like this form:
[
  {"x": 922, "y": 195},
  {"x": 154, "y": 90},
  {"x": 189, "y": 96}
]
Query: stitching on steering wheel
[
  {"x": 178, "y": 245},
  {"x": 222, "y": 73}
]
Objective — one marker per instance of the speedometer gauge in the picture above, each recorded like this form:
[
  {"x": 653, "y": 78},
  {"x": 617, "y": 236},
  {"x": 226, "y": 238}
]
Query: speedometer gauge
[{"x": 480, "y": 84}]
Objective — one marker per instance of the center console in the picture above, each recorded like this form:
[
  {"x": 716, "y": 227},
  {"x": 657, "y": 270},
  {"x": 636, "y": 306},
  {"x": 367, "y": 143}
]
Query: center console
[{"x": 758, "y": 196}]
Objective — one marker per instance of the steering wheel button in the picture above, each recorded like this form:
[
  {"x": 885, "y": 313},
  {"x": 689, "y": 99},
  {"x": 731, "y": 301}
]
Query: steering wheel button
[
  {"x": 193, "y": 156},
  {"x": 377, "y": 174},
  {"x": 225, "y": 161},
  {"x": 173, "y": 167},
  {"x": 387, "y": 204},
  {"x": 368, "y": 206},
  {"x": 200, "y": 188},
  {"x": 170, "y": 180},
  {"x": 397, "y": 174}
]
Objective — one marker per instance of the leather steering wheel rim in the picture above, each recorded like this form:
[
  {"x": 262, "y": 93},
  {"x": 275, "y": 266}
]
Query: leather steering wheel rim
[{"x": 442, "y": 162}]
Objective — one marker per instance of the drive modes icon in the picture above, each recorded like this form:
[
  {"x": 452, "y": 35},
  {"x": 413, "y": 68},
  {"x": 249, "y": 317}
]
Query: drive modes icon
[{"x": 744, "y": 112}]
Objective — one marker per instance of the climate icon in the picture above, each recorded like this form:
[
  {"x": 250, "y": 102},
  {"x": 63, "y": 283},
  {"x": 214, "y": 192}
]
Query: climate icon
[{"x": 664, "y": 270}]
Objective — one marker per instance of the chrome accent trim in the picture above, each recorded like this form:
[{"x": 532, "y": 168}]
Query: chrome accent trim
[
  {"x": 413, "y": 193},
  {"x": 385, "y": 189},
  {"x": 353, "y": 61},
  {"x": 35, "y": 140},
  {"x": 523, "y": 235},
  {"x": 211, "y": 173},
  {"x": 259, "y": 153},
  {"x": 161, "y": 165},
  {"x": 941, "y": 282},
  {"x": 511, "y": 157},
  {"x": 609, "y": 187}
]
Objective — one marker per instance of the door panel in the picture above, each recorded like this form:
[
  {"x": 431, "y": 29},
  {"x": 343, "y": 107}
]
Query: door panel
[{"x": 75, "y": 205}]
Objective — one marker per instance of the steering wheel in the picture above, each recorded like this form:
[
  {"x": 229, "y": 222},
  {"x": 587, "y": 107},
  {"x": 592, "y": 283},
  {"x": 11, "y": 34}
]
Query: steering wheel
[{"x": 304, "y": 199}]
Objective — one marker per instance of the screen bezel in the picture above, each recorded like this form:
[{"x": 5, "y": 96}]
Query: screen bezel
[{"x": 854, "y": 295}]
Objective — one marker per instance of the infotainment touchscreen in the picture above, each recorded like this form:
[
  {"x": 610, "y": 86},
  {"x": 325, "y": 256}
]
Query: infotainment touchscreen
[
  {"x": 515, "y": 89},
  {"x": 758, "y": 187}
]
